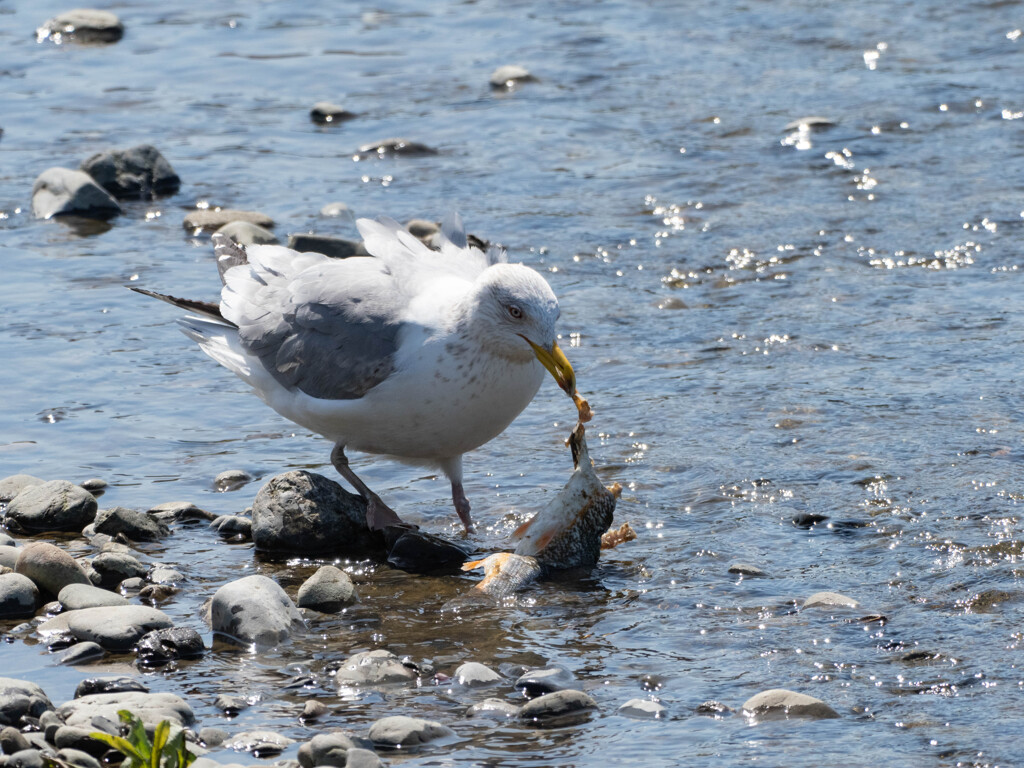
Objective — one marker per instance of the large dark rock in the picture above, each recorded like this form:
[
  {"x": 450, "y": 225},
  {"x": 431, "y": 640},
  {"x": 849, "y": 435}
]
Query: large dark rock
[
  {"x": 305, "y": 513},
  {"x": 20, "y": 699},
  {"x": 62, "y": 191},
  {"x": 137, "y": 526},
  {"x": 111, "y": 684},
  {"x": 54, "y": 506},
  {"x": 161, "y": 646},
  {"x": 139, "y": 172},
  {"x": 418, "y": 552}
]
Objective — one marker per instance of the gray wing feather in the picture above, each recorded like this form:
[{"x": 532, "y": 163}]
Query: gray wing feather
[{"x": 329, "y": 330}]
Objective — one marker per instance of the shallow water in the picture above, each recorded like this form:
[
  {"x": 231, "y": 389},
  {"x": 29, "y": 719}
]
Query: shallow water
[{"x": 768, "y": 323}]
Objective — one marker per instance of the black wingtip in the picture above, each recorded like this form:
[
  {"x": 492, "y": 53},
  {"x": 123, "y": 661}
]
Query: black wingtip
[{"x": 206, "y": 308}]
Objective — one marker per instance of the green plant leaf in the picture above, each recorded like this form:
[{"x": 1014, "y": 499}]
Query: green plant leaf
[
  {"x": 121, "y": 744},
  {"x": 159, "y": 741}
]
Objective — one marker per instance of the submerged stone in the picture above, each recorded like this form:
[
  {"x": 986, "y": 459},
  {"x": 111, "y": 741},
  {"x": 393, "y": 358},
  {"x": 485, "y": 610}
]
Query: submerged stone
[
  {"x": 400, "y": 731},
  {"x": 781, "y": 704},
  {"x": 82, "y": 25}
]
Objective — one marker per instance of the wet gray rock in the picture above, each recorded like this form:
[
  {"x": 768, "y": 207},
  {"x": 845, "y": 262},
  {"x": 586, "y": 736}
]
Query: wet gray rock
[
  {"x": 54, "y": 506},
  {"x": 162, "y": 646},
  {"x": 259, "y": 743},
  {"x": 12, "y": 485},
  {"x": 336, "y": 209},
  {"x": 80, "y": 737},
  {"x": 115, "y": 567},
  {"x": 402, "y": 732},
  {"x": 510, "y": 76},
  {"x": 363, "y": 758},
  {"x": 7, "y": 541},
  {"x": 81, "y": 653},
  {"x": 780, "y": 704},
  {"x": 82, "y": 25},
  {"x": 212, "y": 737},
  {"x": 811, "y": 122},
  {"x": 495, "y": 708},
  {"x": 377, "y": 667},
  {"x": 78, "y": 758},
  {"x": 231, "y": 479},
  {"x": 8, "y": 556},
  {"x": 25, "y": 758},
  {"x": 111, "y": 684},
  {"x": 313, "y": 710},
  {"x": 233, "y": 527},
  {"x": 247, "y": 233},
  {"x": 18, "y": 596},
  {"x": 139, "y": 172},
  {"x": 172, "y": 511},
  {"x": 12, "y": 740},
  {"x": 747, "y": 571},
  {"x": 151, "y": 708},
  {"x": 230, "y": 705},
  {"x": 416, "y": 551},
  {"x": 162, "y": 575},
  {"x": 335, "y": 247},
  {"x": 62, "y": 191},
  {"x": 137, "y": 526},
  {"x": 328, "y": 749},
  {"x": 404, "y": 147},
  {"x": 20, "y": 699},
  {"x": 256, "y": 610},
  {"x": 76, "y": 596},
  {"x": 567, "y": 704},
  {"x": 535, "y": 682},
  {"x": 327, "y": 113},
  {"x": 328, "y": 590},
  {"x": 116, "y": 628},
  {"x": 50, "y": 567},
  {"x": 212, "y": 219},
  {"x": 422, "y": 229},
  {"x": 305, "y": 513},
  {"x": 473, "y": 674},
  {"x": 643, "y": 709},
  {"x": 829, "y": 600},
  {"x": 134, "y": 584}
]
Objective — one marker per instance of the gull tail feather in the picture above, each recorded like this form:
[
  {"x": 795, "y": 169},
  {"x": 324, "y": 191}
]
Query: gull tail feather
[{"x": 219, "y": 339}]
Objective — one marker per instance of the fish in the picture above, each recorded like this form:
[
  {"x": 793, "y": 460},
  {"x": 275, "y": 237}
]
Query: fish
[{"x": 568, "y": 533}]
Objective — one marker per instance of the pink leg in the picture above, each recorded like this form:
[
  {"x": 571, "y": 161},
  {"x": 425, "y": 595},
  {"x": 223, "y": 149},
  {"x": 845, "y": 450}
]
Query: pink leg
[
  {"x": 462, "y": 505},
  {"x": 378, "y": 514}
]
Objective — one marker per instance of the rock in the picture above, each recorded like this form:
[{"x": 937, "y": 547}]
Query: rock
[
  {"x": 326, "y": 749},
  {"x": 18, "y": 596},
  {"x": 230, "y": 705},
  {"x": 50, "y": 567},
  {"x": 76, "y": 596},
  {"x": 151, "y": 708},
  {"x": 377, "y": 667},
  {"x": 137, "y": 526},
  {"x": 78, "y": 758},
  {"x": 415, "y": 551},
  {"x": 808, "y": 123},
  {"x": 336, "y": 209},
  {"x": 95, "y": 485},
  {"x": 422, "y": 229},
  {"x": 780, "y": 704},
  {"x": 179, "y": 510},
  {"x": 212, "y": 737},
  {"x": 259, "y": 743},
  {"x": 54, "y": 506},
  {"x": 747, "y": 571},
  {"x": 161, "y": 646},
  {"x": 115, "y": 567},
  {"x": 12, "y": 740},
  {"x": 328, "y": 590},
  {"x": 473, "y": 674},
  {"x": 335, "y": 247},
  {"x": 139, "y": 172},
  {"x": 134, "y": 584},
  {"x": 26, "y": 758},
  {"x": 313, "y": 710},
  {"x": 79, "y": 737},
  {"x": 256, "y": 610},
  {"x": 82, "y": 25},
  {"x": 212, "y": 219},
  {"x": 304, "y": 513},
  {"x": 233, "y": 527},
  {"x": 116, "y": 684},
  {"x": 9, "y": 556},
  {"x": 535, "y": 682},
  {"x": 81, "y": 653},
  {"x": 62, "y": 191},
  {"x": 362, "y": 758},
  {"x": 232, "y": 479},
  {"x": 829, "y": 600},
  {"x": 161, "y": 575},
  {"x": 558, "y": 706},
  {"x": 496, "y": 708},
  {"x": 116, "y": 628},
  {"x": 395, "y": 147},
  {"x": 247, "y": 233},
  {"x": 14, "y": 484},
  {"x": 808, "y": 519},
  {"x": 643, "y": 709},
  {"x": 20, "y": 699},
  {"x": 509, "y": 76},
  {"x": 402, "y": 732},
  {"x": 326, "y": 113}
]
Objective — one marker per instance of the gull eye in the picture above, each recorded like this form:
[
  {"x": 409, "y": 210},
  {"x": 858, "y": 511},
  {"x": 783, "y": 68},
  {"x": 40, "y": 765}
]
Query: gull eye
[{"x": 515, "y": 312}]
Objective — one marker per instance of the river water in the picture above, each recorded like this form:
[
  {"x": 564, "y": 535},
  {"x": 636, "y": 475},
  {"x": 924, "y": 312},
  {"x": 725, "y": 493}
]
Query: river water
[{"x": 771, "y": 324}]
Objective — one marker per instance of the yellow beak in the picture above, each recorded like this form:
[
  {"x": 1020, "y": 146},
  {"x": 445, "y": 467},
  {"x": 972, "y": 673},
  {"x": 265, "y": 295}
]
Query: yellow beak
[{"x": 557, "y": 365}]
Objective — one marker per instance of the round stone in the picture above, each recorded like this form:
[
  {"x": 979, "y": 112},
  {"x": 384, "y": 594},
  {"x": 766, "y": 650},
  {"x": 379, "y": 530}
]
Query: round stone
[{"x": 781, "y": 704}]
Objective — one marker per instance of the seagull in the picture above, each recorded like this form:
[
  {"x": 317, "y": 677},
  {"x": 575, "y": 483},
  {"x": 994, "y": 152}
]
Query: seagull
[{"x": 410, "y": 352}]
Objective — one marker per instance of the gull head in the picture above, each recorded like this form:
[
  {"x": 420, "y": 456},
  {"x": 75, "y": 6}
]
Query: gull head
[{"x": 520, "y": 311}]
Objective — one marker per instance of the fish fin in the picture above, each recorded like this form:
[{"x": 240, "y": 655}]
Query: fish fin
[
  {"x": 545, "y": 539},
  {"x": 474, "y": 564},
  {"x": 519, "y": 532}
]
